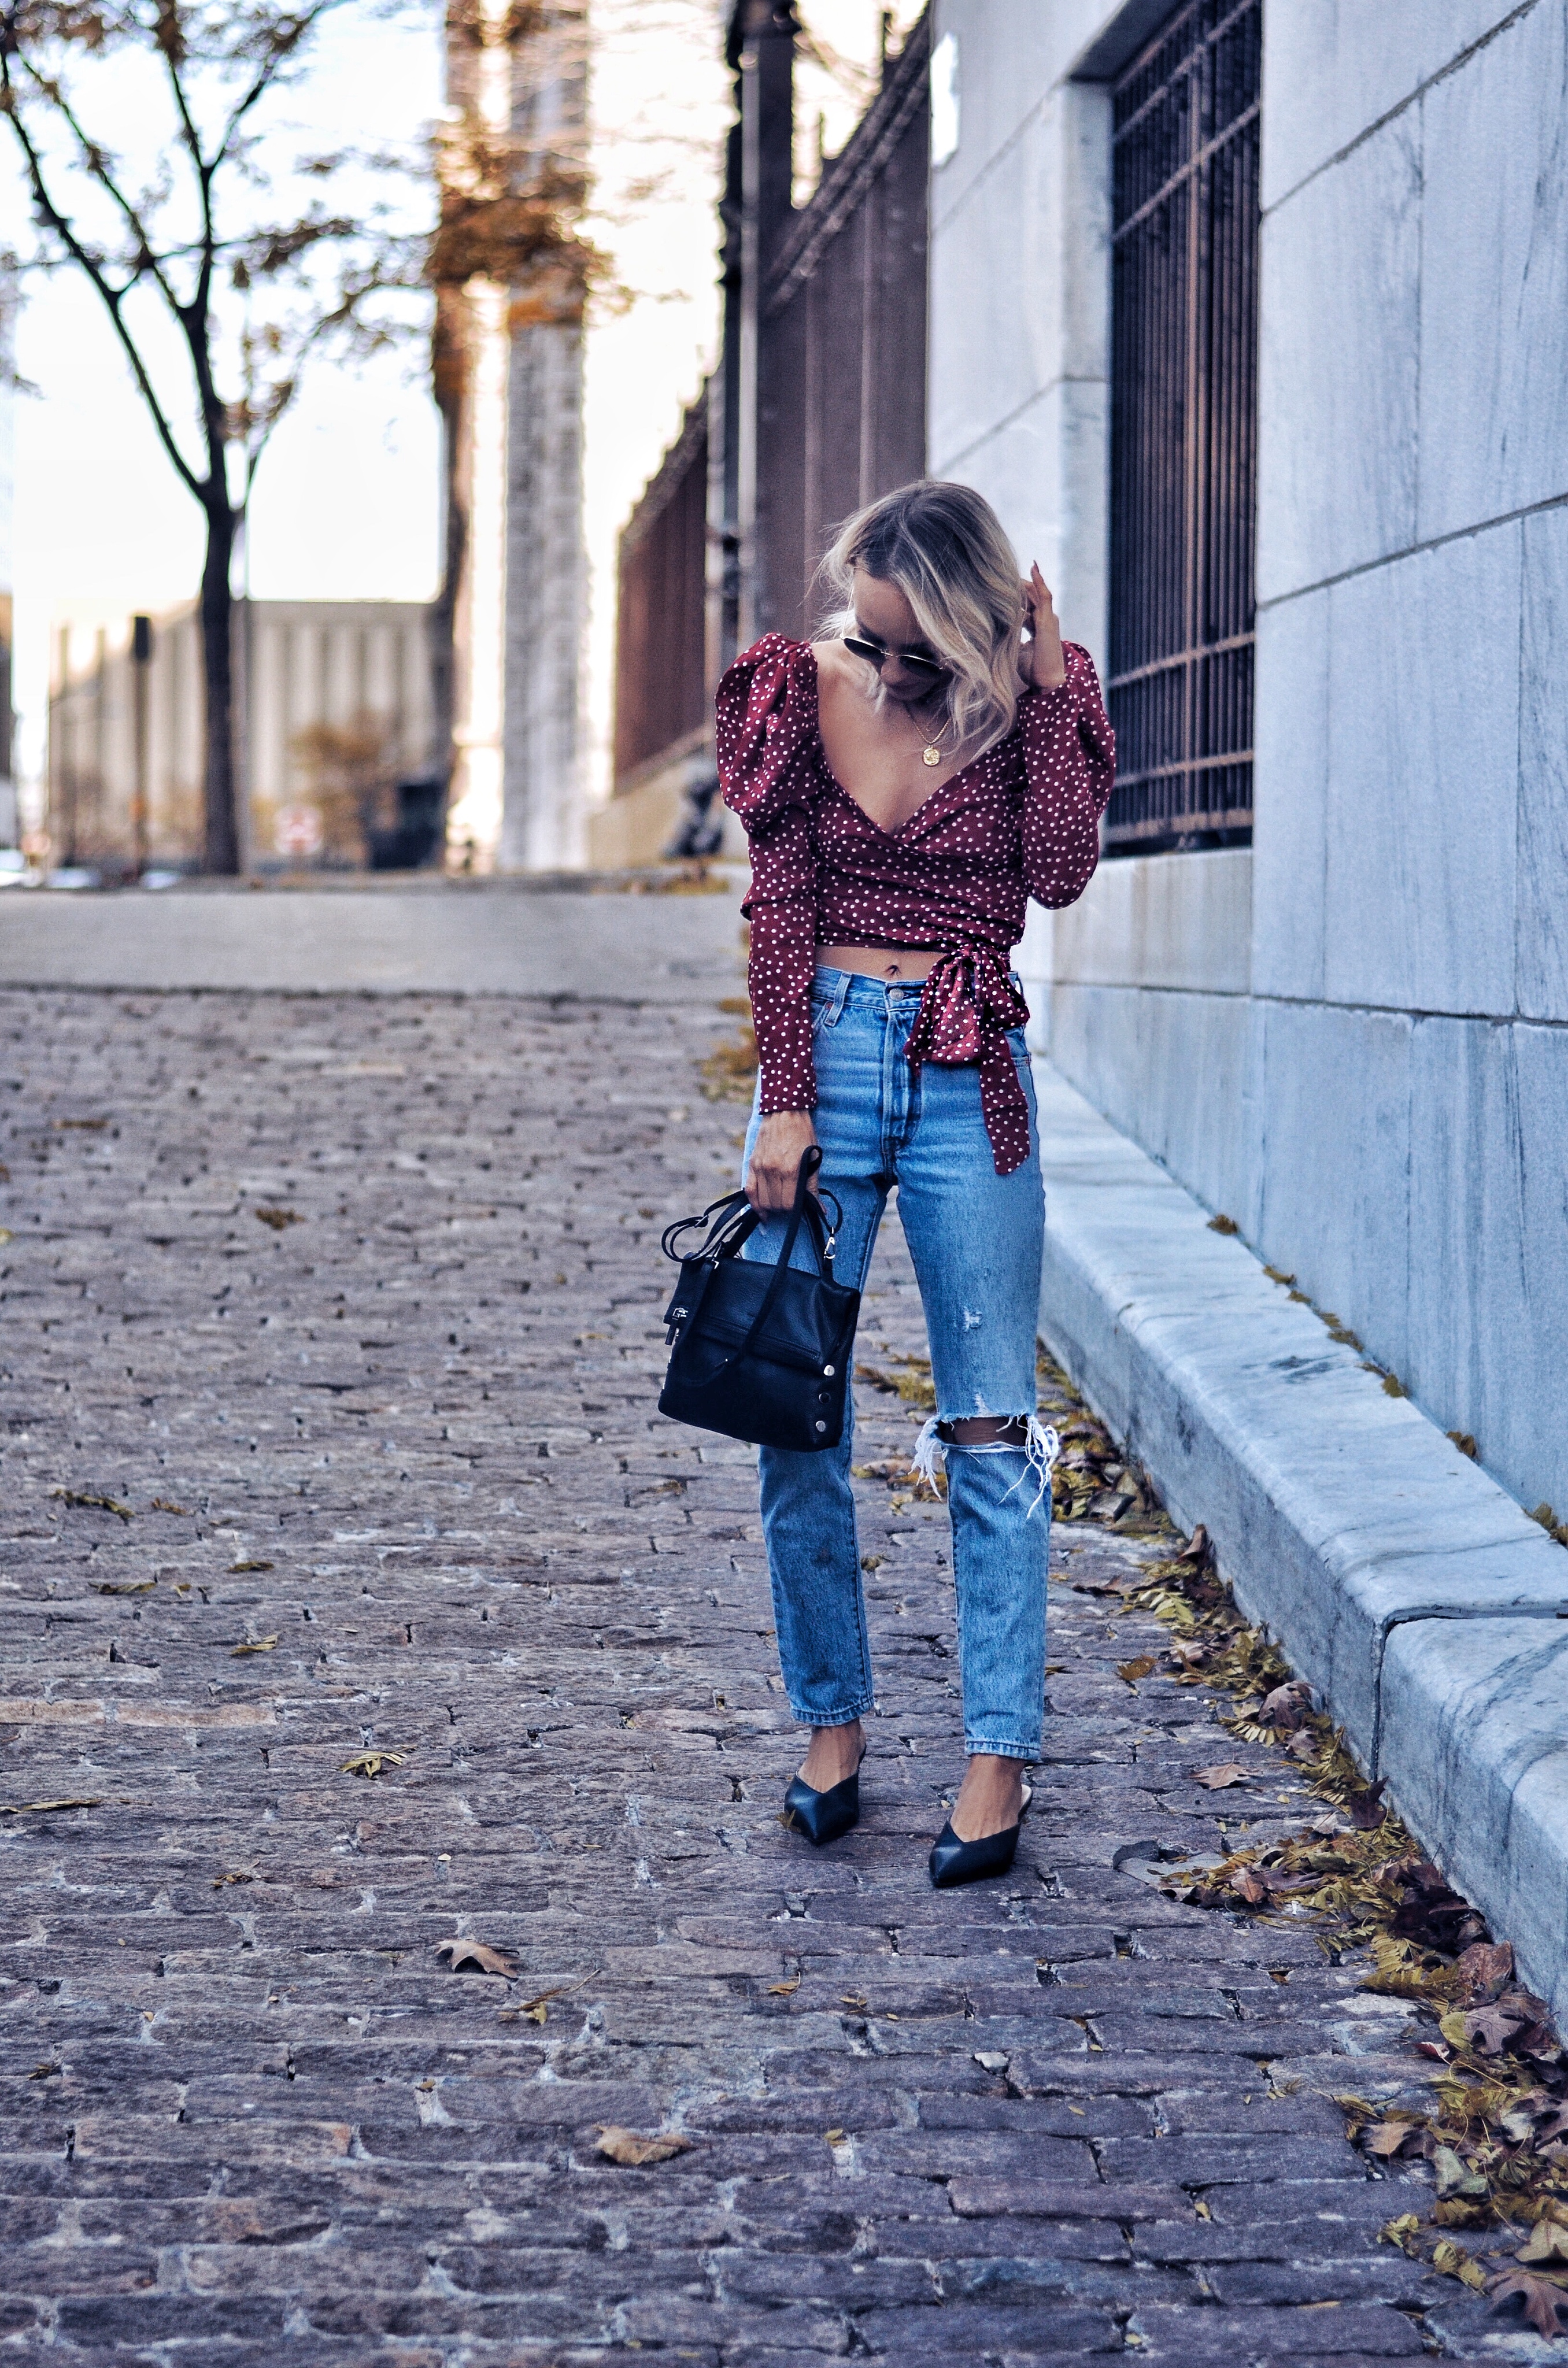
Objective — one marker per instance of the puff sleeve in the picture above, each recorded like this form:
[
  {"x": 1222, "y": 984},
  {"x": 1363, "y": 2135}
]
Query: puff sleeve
[
  {"x": 764, "y": 741},
  {"x": 1069, "y": 766}
]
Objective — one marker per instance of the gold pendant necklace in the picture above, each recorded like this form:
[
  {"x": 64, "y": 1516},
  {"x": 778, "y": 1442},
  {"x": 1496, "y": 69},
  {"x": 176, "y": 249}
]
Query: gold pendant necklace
[{"x": 932, "y": 752}]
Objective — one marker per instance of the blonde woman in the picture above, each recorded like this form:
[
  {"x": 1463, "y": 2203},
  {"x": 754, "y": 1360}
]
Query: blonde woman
[{"x": 907, "y": 781}]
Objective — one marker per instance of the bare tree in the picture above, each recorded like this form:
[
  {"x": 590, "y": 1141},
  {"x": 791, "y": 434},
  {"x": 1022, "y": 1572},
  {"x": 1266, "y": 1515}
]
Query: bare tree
[{"x": 195, "y": 243}]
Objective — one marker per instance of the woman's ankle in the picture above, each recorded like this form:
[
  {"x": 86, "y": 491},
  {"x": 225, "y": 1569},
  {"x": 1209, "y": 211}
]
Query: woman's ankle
[{"x": 833, "y": 1754}]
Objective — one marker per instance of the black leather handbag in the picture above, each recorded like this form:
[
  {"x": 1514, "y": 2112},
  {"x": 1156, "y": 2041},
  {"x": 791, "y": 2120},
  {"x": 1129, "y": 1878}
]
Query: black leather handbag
[{"x": 760, "y": 1352}]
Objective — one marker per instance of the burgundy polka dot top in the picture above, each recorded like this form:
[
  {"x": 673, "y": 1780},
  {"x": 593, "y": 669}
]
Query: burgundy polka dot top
[{"x": 1021, "y": 821}]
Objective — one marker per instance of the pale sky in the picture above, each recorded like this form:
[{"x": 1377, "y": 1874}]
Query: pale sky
[{"x": 347, "y": 498}]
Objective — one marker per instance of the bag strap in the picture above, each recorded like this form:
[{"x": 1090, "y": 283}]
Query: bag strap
[{"x": 811, "y": 1160}]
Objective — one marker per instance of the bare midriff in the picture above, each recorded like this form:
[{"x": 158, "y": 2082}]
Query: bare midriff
[{"x": 894, "y": 964}]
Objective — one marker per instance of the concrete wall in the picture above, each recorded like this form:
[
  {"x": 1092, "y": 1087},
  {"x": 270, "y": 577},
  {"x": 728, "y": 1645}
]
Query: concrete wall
[{"x": 1352, "y": 1038}]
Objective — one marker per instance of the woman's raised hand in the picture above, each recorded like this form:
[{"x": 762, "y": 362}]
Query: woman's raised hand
[
  {"x": 782, "y": 1142},
  {"x": 1040, "y": 661}
]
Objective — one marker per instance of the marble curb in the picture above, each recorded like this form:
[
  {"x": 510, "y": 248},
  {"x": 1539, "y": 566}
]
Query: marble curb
[{"x": 1427, "y": 1609}]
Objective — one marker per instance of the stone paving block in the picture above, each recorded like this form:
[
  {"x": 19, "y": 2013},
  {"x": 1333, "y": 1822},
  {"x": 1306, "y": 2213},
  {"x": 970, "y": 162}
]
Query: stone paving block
[{"x": 485, "y": 1551}]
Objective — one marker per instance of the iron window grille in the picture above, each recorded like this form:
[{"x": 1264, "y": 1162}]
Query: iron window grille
[{"x": 1184, "y": 433}]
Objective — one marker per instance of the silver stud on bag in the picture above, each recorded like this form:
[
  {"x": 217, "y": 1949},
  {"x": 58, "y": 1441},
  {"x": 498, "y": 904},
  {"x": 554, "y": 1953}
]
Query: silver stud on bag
[
  {"x": 828, "y": 1371},
  {"x": 822, "y": 1426}
]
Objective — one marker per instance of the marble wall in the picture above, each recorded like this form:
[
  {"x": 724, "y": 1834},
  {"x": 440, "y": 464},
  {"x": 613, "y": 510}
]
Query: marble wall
[{"x": 1351, "y": 1040}]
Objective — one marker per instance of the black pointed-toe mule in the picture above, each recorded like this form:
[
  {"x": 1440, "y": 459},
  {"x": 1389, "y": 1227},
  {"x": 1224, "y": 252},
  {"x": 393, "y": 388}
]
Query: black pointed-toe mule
[
  {"x": 954, "y": 1862},
  {"x": 823, "y": 1817}
]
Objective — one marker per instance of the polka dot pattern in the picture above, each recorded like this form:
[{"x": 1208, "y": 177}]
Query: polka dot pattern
[{"x": 1022, "y": 821}]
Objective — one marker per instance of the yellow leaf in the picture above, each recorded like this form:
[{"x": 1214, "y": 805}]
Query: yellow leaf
[
  {"x": 371, "y": 1763},
  {"x": 253, "y": 1645},
  {"x": 102, "y": 1504},
  {"x": 124, "y": 1586},
  {"x": 784, "y": 1989},
  {"x": 235, "y": 1567},
  {"x": 22, "y": 1808},
  {"x": 628, "y": 2147},
  {"x": 834, "y": 2137},
  {"x": 1130, "y": 1671}
]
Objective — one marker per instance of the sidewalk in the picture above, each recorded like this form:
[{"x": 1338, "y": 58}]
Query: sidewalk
[{"x": 1428, "y": 1610}]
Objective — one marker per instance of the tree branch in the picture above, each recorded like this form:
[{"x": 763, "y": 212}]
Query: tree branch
[{"x": 113, "y": 298}]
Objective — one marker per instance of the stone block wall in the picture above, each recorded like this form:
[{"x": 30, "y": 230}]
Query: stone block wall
[{"x": 1350, "y": 1038}]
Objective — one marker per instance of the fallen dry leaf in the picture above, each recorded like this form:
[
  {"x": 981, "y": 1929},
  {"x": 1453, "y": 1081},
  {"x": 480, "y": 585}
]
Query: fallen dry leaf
[
  {"x": 1249, "y": 1886},
  {"x": 1486, "y": 1968},
  {"x": 1451, "y": 2260},
  {"x": 635, "y": 2151},
  {"x": 784, "y": 1989},
  {"x": 1130, "y": 1671},
  {"x": 537, "y": 2009},
  {"x": 167, "y": 1505},
  {"x": 99, "y": 1504},
  {"x": 1384, "y": 2139},
  {"x": 1401, "y": 2232},
  {"x": 1229, "y": 1772},
  {"x": 463, "y": 1956},
  {"x": 1548, "y": 2242},
  {"x": 235, "y": 1875},
  {"x": 278, "y": 1218},
  {"x": 371, "y": 1763},
  {"x": 1545, "y": 2305},
  {"x": 25, "y": 1808},
  {"x": 1486, "y": 2029},
  {"x": 253, "y": 1645},
  {"x": 832, "y": 2137},
  {"x": 124, "y": 1586},
  {"x": 855, "y": 2000},
  {"x": 1367, "y": 1811},
  {"x": 235, "y": 1567},
  {"x": 45, "y": 2071},
  {"x": 1287, "y": 1707}
]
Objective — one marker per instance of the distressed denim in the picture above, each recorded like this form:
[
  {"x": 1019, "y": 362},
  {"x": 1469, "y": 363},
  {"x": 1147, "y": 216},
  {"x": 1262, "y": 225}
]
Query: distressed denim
[{"x": 976, "y": 1240}]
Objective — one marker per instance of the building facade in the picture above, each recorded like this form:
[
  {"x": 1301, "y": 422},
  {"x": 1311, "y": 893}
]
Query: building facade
[
  {"x": 337, "y": 716},
  {"x": 1263, "y": 372}
]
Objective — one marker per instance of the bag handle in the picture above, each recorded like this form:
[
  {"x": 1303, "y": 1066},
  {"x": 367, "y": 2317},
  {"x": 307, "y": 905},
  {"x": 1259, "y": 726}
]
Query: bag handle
[
  {"x": 736, "y": 1221},
  {"x": 811, "y": 1160}
]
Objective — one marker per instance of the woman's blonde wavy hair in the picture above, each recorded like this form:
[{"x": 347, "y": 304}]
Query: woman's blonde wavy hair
[{"x": 943, "y": 547}]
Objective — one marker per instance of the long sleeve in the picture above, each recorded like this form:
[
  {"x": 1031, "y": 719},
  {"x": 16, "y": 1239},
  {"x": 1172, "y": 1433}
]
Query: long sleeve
[
  {"x": 783, "y": 910},
  {"x": 1069, "y": 766},
  {"x": 765, "y": 735}
]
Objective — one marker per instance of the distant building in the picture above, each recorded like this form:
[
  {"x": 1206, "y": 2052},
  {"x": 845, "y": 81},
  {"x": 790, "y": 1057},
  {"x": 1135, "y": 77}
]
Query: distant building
[
  {"x": 339, "y": 716},
  {"x": 7, "y": 478}
]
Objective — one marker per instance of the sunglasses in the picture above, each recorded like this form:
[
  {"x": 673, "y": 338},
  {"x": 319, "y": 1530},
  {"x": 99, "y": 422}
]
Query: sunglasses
[{"x": 874, "y": 654}]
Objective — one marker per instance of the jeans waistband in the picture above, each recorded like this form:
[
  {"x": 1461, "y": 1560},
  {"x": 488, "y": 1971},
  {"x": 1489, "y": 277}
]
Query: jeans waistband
[{"x": 852, "y": 988}]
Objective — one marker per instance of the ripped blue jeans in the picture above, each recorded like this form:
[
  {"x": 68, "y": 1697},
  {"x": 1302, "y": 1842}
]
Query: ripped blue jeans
[{"x": 976, "y": 1239}]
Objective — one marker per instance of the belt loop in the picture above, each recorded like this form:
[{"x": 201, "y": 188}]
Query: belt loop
[{"x": 836, "y": 1005}]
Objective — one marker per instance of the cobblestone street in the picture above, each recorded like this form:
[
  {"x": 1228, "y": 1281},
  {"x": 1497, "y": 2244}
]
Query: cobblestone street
[{"x": 331, "y": 1353}]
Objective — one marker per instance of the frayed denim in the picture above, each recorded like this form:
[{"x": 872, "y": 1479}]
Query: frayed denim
[{"x": 976, "y": 1239}]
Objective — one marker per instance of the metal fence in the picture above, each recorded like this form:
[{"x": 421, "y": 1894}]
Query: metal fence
[
  {"x": 661, "y": 675},
  {"x": 1184, "y": 444},
  {"x": 841, "y": 339}
]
